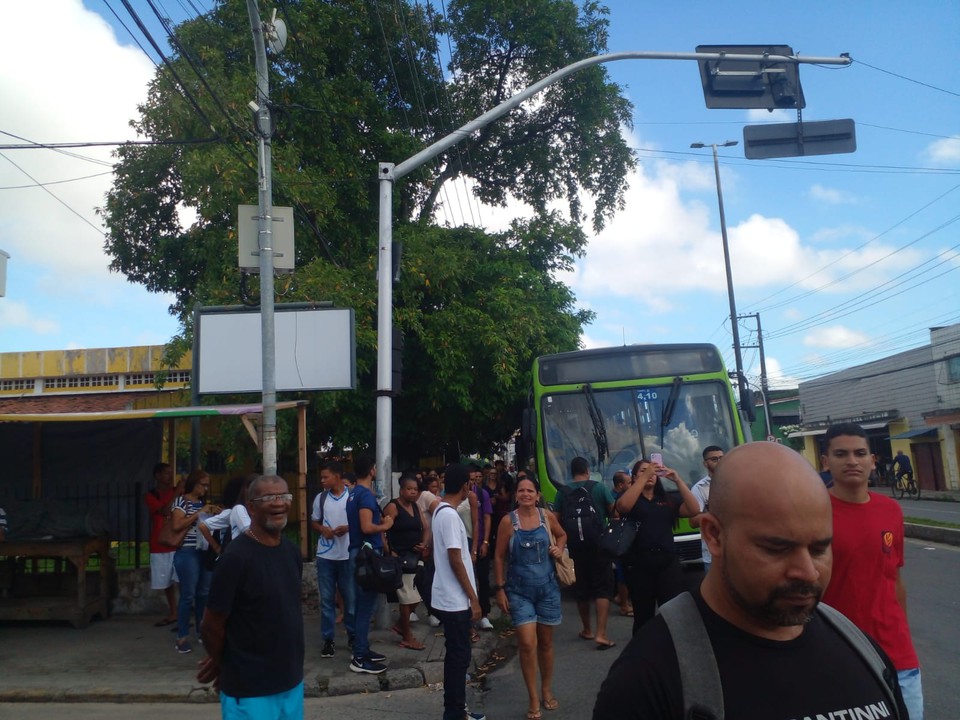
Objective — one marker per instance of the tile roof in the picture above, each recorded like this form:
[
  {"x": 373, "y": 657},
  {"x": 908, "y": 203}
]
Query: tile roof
[{"x": 65, "y": 403}]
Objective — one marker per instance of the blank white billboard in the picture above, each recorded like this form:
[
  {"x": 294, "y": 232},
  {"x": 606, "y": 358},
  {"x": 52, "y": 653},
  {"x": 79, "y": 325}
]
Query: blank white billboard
[{"x": 315, "y": 350}]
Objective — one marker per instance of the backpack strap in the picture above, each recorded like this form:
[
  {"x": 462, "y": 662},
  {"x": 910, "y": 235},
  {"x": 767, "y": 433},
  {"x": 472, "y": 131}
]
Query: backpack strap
[
  {"x": 699, "y": 676},
  {"x": 323, "y": 501},
  {"x": 864, "y": 648},
  {"x": 515, "y": 519}
]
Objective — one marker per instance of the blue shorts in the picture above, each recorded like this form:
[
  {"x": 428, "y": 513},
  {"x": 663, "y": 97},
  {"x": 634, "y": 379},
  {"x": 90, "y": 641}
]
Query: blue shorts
[
  {"x": 282, "y": 706},
  {"x": 535, "y": 603}
]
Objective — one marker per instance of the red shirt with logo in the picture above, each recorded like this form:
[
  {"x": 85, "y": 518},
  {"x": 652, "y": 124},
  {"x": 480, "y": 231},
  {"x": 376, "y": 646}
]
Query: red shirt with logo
[{"x": 867, "y": 557}]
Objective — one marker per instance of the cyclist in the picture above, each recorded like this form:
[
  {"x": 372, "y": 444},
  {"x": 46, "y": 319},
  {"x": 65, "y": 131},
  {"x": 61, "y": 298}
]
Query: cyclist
[{"x": 903, "y": 467}]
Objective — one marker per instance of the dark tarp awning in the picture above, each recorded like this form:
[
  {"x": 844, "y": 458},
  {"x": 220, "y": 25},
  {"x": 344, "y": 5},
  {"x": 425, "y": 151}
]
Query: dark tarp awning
[{"x": 915, "y": 433}]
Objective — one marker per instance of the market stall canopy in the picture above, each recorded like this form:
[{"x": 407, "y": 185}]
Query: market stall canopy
[{"x": 147, "y": 414}]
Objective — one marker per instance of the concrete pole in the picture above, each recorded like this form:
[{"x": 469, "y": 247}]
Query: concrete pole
[
  {"x": 385, "y": 331},
  {"x": 264, "y": 127}
]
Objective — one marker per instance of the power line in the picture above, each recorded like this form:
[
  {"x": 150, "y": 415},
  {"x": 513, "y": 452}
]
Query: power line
[
  {"x": 55, "y": 182},
  {"x": 50, "y": 193},
  {"x": 904, "y": 77}
]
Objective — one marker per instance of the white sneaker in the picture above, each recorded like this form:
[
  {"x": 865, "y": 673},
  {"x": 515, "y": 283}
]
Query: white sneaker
[
  {"x": 485, "y": 624},
  {"x": 434, "y": 622},
  {"x": 413, "y": 617}
]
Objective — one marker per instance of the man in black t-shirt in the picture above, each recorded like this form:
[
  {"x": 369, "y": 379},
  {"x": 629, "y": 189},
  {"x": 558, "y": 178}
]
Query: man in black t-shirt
[
  {"x": 769, "y": 530},
  {"x": 253, "y": 624}
]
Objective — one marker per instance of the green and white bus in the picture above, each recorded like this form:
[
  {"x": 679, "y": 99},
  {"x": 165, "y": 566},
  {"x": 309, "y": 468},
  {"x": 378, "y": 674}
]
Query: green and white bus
[{"x": 614, "y": 406}]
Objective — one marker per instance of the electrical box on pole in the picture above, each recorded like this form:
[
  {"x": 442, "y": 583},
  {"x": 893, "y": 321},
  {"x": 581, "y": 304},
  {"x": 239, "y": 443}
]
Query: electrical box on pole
[{"x": 248, "y": 232}]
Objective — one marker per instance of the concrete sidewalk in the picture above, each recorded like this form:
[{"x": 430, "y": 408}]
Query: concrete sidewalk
[{"x": 127, "y": 659}]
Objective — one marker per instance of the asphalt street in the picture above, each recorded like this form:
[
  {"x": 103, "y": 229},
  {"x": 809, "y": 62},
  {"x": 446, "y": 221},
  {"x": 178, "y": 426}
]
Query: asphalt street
[{"x": 932, "y": 575}]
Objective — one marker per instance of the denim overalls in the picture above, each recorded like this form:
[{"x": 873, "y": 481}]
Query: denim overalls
[{"x": 531, "y": 578}]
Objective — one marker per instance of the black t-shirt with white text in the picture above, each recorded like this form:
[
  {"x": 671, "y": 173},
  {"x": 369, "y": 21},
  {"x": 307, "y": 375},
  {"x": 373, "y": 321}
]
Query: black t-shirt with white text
[
  {"x": 816, "y": 675},
  {"x": 258, "y": 588}
]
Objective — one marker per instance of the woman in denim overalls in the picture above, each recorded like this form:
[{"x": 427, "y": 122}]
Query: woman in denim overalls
[{"x": 531, "y": 593}]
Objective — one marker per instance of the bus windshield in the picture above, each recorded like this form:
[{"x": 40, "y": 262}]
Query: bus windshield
[{"x": 613, "y": 428}]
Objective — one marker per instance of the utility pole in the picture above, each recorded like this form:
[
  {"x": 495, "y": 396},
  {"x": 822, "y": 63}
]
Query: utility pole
[
  {"x": 763, "y": 368},
  {"x": 264, "y": 127}
]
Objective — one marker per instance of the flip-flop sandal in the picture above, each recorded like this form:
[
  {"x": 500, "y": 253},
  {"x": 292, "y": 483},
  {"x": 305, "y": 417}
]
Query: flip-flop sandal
[
  {"x": 627, "y": 613},
  {"x": 533, "y": 715},
  {"x": 606, "y": 645},
  {"x": 165, "y": 622},
  {"x": 551, "y": 704},
  {"x": 474, "y": 636},
  {"x": 412, "y": 645},
  {"x": 585, "y": 636}
]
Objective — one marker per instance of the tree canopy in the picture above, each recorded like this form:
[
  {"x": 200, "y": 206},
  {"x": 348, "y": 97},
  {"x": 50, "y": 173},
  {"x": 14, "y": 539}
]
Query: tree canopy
[{"x": 362, "y": 82}]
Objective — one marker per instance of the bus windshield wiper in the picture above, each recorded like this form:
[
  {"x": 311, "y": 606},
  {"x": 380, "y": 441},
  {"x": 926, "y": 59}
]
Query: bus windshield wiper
[
  {"x": 671, "y": 403},
  {"x": 599, "y": 430}
]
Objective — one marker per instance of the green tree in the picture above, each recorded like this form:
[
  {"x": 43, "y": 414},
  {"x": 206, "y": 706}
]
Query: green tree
[{"x": 361, "y": 82}]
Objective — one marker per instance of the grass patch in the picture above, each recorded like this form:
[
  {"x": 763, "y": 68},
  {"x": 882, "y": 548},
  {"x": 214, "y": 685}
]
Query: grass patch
[{"x": 933, "y": 523}]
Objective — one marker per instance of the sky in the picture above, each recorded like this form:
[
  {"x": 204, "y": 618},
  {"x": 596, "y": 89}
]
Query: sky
[{"x": 845, "y": 258}]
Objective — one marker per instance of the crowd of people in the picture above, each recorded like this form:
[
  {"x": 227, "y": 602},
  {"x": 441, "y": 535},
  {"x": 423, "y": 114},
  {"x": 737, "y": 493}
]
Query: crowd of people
[{"x": 469, "y": 536}]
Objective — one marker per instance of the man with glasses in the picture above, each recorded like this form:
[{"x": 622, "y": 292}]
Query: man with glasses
[
  {"x": 253, "y": 624},
  {"x": 712, "y": 455}
]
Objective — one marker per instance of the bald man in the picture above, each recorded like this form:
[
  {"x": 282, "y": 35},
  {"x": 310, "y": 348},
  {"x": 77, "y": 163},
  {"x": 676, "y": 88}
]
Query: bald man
[{"x": 769, "y": 530}]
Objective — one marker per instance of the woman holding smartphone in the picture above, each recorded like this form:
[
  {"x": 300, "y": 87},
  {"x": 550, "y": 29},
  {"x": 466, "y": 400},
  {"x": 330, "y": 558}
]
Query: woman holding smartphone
[{"x": 652, "y": 566}]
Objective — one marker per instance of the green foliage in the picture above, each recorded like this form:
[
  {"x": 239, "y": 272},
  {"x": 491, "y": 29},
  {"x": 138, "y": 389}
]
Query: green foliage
[{"x": 359, "y": 83}]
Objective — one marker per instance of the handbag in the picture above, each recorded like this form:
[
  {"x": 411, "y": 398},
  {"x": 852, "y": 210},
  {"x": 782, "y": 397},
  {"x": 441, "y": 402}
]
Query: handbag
[
  {"x": 377, "y": 573},
  {"x": 618, "y": 537},
  {"x": 170, "y": 537},
  {"x": 409, "y": 562},
  {"x": 566, "y": 574}
]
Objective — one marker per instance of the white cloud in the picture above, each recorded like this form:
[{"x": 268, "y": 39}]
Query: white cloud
[
  {"x": 17, "y": 315},
  {"x": 776, "y": 379},
  {"x": 836, "y": 337},
  {"x": 56, "y": 101},
  {"x": 945, "y": 151},
  {"x": 831, "y": 195}
]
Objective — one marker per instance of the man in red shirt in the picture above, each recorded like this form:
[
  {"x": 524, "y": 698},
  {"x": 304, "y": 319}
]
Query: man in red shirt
[
  {"x": 867, "y": 556},
  {"x": 162, "y": 574}
]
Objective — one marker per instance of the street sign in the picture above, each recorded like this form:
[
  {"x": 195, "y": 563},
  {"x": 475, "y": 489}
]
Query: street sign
[
  {"x": 746, "y": 84},
  {"x": 776, "y": 140}
]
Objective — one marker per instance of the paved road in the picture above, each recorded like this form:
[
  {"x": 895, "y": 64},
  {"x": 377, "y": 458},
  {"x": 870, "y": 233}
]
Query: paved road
[
  {"x": 932, "y": 574},
  {"x": 931, "y": 510}
]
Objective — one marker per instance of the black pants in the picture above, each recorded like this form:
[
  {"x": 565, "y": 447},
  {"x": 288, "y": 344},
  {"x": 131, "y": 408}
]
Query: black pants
[
  {"x": 653, "y": 578},
  {"x": 456, "y": 632}
]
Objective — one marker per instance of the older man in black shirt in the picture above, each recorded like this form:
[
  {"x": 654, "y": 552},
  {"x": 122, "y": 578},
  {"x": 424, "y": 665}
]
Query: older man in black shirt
[{"x": 253, "y": 624}]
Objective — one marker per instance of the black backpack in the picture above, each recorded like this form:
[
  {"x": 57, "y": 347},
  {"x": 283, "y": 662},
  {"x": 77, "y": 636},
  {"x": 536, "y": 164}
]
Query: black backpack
[{"x": 579, "y": 518}]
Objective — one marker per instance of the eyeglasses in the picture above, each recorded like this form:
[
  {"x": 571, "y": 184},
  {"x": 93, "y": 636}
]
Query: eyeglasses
[
  {"x": 283, "y": 497},
  {"x": 714, "y": 459}
]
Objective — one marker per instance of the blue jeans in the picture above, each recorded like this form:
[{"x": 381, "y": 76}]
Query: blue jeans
[
  {"x": 912, "y": 691},
  {"x": 364, "y": 604},
  {"x": 331, "y": 576},
  {"x": 456, "y": 663},
  {"x": 194, "y": 588}
]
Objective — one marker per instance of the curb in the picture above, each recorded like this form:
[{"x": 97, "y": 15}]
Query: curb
[{"x": 932, "y": 533}]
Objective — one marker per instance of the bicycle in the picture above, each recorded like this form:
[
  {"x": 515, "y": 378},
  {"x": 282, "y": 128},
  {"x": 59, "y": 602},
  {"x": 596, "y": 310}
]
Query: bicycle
[{"x": 906, "y": 485}]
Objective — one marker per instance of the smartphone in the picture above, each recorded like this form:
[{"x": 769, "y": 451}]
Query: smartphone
[{"x": 657, "y": 459}]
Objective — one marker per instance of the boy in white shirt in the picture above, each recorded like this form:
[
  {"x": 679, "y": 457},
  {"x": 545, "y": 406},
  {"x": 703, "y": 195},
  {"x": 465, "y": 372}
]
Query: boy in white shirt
[{"x": 454, "y": 597}]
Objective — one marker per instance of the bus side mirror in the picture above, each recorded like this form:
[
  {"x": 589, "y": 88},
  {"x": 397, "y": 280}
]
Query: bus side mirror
[{"x": 748, "y": 404}]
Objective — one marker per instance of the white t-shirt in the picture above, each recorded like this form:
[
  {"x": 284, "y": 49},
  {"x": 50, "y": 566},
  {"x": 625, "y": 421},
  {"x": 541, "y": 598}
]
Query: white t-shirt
[
  {"x": 701, "y": 491},
  {"x": 236, "y": 518},
  {"x": 449, "y": 533},
  {"x": 334, "y": 515},
  {"x": 424, "y": 501}
]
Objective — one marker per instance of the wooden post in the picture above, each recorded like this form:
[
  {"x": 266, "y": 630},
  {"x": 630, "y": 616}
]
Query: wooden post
[{"x": 302, "y": 476}]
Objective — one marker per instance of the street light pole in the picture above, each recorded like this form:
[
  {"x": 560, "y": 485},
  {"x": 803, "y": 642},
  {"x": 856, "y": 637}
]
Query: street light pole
[{"x": 734, "y": 321}]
